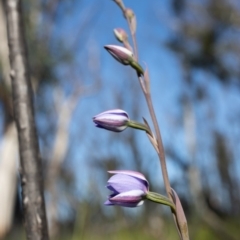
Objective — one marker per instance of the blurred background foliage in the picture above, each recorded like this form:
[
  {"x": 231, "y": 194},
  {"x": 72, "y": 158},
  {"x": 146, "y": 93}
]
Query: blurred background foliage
[{"x": 192, "y": 51}]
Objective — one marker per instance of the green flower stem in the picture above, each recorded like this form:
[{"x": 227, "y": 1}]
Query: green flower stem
[
  {"x": 134, "y": 64},
  {"x": 161, "y": 199},
  {"x": 140, "y": 126}
]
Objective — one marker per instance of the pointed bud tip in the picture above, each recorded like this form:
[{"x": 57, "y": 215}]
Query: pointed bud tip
[
  {"x": 106, "y": 47},
  {"x": 121, "y": 54},
  {"x": 120, "y": 34},
  {"x": 115, "y": 120}
]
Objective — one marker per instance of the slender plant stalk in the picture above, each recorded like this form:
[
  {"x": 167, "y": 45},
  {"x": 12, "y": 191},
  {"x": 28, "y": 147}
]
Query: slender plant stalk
[
  {"x": 148, "y": 98},
  {"x": 133, "y": 35},
  {"x": 22, "y": 95},
  {"x": 144, "y": 83},
  {"x": 161, "y": 153}
]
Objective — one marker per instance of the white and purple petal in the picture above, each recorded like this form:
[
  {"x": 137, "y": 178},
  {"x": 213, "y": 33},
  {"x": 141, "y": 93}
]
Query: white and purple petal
[
  {"x": 130, "y": 173},
  {"x": 125, "y": 204},
  {"x": 123, "y": 183},
  {"x": 128, "y": 188},
  {"x": 121, "y": 54},
  {"x": 118, "y": 112},
  {"x": 133, "y": 196},
  {"x": 128, "y": 199},
  {"x": 114, "y": 120},
  {"x": 141, "y": 180}
]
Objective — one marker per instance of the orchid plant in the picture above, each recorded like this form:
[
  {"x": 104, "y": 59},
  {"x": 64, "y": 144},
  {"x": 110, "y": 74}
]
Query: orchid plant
[{"x": 131, "y": 189}]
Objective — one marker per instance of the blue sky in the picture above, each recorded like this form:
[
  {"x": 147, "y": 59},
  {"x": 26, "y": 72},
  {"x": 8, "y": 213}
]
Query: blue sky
[
  {"x": 114, "y": 76},
  {"x": 155, "y": 24}
]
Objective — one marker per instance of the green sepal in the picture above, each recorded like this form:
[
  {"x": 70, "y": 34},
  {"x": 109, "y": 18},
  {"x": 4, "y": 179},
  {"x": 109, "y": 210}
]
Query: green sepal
[
  {"x": 161, "y": 199},
  {"x": 139, "y": 126},
  {"x": 137, "y": 67}
]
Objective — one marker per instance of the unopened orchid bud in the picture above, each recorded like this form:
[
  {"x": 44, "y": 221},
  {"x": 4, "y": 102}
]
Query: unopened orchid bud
[
  {"x": 124, "y": 56},
  {"x": 129, "y": 13},
  {"x": 121, "y": 54},
  {"x": 117, "y": 120},
  {"x": 120, "y": 34},
  {"x": 114, "y": 120},
  {"x": 129, "y": 188}
]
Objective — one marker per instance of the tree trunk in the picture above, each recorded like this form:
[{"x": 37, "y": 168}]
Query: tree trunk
[{"x": 30, "y": 160}]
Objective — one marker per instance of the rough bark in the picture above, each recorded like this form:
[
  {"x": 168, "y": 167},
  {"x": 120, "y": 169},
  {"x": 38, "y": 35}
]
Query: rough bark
[{"x": 22, "y": 95}]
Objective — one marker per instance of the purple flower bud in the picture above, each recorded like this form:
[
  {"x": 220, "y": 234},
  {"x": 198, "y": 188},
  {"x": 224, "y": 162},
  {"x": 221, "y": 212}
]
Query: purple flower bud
[
  {"x": 120, "y": 34},
  {"x": 129, "y": 13},
  {"x": 121, "y": 54},
  {"x": 115, "y": 120},
  {"x": 128, "y": 188}
]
